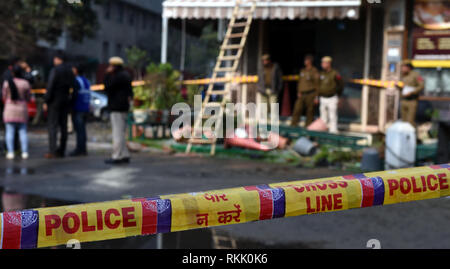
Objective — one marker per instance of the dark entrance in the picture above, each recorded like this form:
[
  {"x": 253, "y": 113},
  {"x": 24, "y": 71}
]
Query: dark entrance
[{"x": 288, "y": 43}]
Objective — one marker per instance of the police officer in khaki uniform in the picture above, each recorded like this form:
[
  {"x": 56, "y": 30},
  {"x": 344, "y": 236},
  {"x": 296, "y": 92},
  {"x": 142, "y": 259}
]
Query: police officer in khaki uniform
[
  {"x": 270, "y": 83},
  {"x": 331, "y": 86},
  {"x": 308, "y": 86},
  {"x": 413, "y": 86}
]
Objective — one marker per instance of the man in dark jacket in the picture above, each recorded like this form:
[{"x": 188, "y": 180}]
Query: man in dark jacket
[
  {"x": 120, "y": 93},
  {"x": 270, "y": 83},
  {"x": 57, "y": 99}
]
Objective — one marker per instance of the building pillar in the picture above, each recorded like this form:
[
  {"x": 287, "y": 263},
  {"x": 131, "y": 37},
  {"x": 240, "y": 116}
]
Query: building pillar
[
  {"x": 365, "y": 93},
  {"x": 183, "y": 46},
  {"x": 164, "y": 38}
]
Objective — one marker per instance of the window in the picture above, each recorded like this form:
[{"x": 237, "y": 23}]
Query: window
[
  {"x": 107, "y": 10},
  {"x": 131, "y": 17},
  {"x": 144, "y": 21},
  {"x": 120, "y": 7},
  {"x": 446, "y": 81},
  {"x": 437, "y": 81},
  {"x": 105, "y": 51},
  {"x": 156, "y": 24},
  {"x": 119, "y": 50}
]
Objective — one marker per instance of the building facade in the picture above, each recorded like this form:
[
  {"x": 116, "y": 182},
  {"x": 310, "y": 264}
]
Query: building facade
[{"x": 122, "y": 24}]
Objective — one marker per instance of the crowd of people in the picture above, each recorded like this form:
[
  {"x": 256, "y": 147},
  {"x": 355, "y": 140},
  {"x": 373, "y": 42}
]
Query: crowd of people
[{"x": 67, "y": 92}]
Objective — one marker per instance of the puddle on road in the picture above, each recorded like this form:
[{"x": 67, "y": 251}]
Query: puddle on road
[
  {"x": 16, "y": 170},
  {"x": 196, "y": 239}
]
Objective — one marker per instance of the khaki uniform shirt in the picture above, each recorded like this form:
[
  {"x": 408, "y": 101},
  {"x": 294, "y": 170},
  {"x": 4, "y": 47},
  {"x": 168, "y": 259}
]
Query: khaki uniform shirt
[
  {"x": 330, "y": 83},
  {"x": 414, "y": 79},
  {"x": 268, "y": 76},
  {"x": 308, "y": 80}
]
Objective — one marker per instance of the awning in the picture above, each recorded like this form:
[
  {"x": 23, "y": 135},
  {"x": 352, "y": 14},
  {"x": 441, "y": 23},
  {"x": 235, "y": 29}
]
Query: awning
[{"x": 266, "y": 9}]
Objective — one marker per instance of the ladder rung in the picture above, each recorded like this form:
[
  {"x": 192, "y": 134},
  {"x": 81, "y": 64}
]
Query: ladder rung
[
  {"x": 230, "y": 47},
  {"x": 244, "y": 13},
  {"x": 225, "y": 69},
  {"x": 236, "y": 35},
  {"x": 206, "y": 116},
  {"x": 222, "y": 238},
  {"x": 218, "y": 92},
  {"x": 240, "y": 24},
  {"x": 229, "y": 58},
  {"x": 201, "y": 141},
  {"x": 213, "y": 104}
]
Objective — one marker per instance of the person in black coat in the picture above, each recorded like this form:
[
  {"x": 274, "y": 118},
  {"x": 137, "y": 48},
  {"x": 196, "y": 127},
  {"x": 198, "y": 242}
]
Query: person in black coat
[
  {"x": 118, "y": 87},
  {"x": 58, "y": 99}
]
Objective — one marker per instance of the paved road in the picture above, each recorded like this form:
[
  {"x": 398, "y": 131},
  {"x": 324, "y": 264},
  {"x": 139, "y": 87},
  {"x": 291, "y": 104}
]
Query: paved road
[{"x": 414, "y": 225}]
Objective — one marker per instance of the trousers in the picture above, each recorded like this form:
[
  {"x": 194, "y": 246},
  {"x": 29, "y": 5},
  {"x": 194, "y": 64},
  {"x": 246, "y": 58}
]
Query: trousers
[
  {"x": 119, "y": 128},
  {"x": 328, "y": 112}
]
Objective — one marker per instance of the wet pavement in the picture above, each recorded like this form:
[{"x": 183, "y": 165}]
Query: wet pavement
[{"x": 41, "y": 183}]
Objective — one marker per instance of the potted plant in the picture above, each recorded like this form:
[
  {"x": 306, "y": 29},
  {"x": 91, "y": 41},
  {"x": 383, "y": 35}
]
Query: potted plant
[
  {"x": 141, "y": 104},
  {"x": 163, "y": 87}
]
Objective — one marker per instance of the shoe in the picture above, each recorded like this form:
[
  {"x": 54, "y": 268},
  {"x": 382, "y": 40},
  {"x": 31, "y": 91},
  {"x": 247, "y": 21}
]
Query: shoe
[
  {"x": 114, "y": 162},
  {"x": 50, "y": 156},
  {"x": 78, "y": 153},
  {"x": 25, "y": 156},
  {"x": 10, "y": 156},
  {"x": 53, "y": 156}
]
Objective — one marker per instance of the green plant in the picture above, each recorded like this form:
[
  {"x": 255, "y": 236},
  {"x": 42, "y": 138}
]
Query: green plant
[
  {"x": 136, "y": 60},
  {"x": 192, "y": 91},
  {"x": 141, "y": 98},
  {"x": 334, "y": 155},
  {"x": 163, "y": 86}
]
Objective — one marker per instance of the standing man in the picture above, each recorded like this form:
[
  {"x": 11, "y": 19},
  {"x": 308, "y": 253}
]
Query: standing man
[
  {"x": 413, "y": 86},
  {"x": 331, "y": 86},
  {"x": 57, "y": 99},
  {"x": 120, "y": 93},
  {"x": 308, "y": 86},
  {"x": 80, "y": 109},
  {"x": 270, "y": 82}
]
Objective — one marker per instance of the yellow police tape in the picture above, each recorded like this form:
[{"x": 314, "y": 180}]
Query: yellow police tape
[
  {"x": 247, "y": 80},
  {"x": 119, "y": 219},
  {"x": 97, "y": 87},
  {"x": 378, "y": 83}
]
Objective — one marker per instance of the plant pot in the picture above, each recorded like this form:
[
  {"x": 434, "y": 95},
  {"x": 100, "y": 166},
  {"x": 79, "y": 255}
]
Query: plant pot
[
  {"x": 140, "y": 115},
  {"x": 137, "y": 103},
  {"x": 153, "y": 116}
]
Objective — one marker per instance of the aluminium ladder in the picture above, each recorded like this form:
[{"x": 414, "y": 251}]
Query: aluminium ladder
[{"x": 227, "y": 64}]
